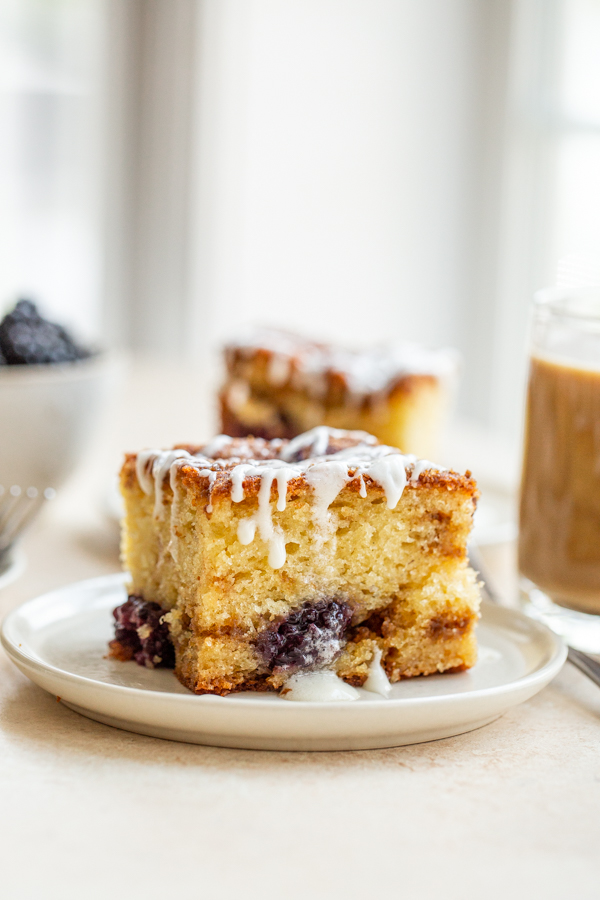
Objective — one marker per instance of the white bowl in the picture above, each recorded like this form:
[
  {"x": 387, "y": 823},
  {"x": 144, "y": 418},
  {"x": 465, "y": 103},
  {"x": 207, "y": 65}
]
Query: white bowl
[{"x": 47, "y": 417}]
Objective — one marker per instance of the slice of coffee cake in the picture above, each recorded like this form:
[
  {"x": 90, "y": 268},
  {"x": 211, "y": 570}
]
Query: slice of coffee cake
[
  {"x": 279, "y": 385},
  {"x": 269, "y": 559}
]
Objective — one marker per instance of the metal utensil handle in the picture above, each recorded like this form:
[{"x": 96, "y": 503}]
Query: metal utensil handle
[
  {"x": 585, "y": 664},
  {"x": 485, "y": 583}
]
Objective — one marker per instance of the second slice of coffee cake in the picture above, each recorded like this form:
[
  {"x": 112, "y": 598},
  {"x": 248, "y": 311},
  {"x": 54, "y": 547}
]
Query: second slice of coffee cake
[
  {"x": 280, "y": 384},
  {"x": 261, "y": 559}
]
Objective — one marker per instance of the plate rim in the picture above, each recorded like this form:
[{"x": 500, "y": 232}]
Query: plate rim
[{"x": 557, "y": 654}]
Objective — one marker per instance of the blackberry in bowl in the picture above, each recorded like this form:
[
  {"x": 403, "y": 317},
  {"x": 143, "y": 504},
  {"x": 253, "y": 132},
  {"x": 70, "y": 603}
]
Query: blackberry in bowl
[
  {"x": 51, "y": 392},
  {"x": 27, "y": 338}
]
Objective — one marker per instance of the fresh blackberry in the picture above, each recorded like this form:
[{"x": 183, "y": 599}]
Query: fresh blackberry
[
  {"x": 26, "y": 338},
  {"x": 140, "y": 634},
  {"x": 310, "y": 636},
  {"x": 25, "y": 309}
]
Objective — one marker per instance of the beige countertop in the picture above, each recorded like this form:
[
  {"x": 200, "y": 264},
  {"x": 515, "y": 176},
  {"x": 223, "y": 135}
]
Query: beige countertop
[{"x": 511, "y": 810}]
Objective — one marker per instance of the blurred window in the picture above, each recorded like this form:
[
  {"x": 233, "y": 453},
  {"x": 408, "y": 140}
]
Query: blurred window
[
  {"x": 50, "y": 135},
  {"x": 576, "y": 123},
  {"x": 550, "y": 215}
]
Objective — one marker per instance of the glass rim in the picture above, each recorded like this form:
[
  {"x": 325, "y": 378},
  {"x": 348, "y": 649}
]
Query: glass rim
[{"x": 570, "y": 302}]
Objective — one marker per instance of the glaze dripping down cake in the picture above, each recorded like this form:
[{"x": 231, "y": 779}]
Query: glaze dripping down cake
[
  {"x": 257, "y": 560},
  {"x": 280, "y": 385}
]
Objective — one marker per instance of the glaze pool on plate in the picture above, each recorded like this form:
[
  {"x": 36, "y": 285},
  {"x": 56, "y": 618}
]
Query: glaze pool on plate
[{"x": 59, "y": 641}]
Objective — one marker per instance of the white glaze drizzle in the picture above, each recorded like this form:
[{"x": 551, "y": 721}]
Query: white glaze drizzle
[
  {"x": 160, "y": 469},
  {"x": 327, "y": 480},
  {"x": 367, "y": 371},
  {"x": 390, "y": 473},
  {"x": 269, "y": 471},
  {"x": 144, "y": 470},
  {"x": 151, "y": 469},
  {"x": 270, "y": 533},
  {"x": 318, "y": 687},
  {"x": 238, "y": 393},
  {"x": 212, "y": 449},
  {"x": 377, "y": 681},
  {"x": 327, "y": 475},
  {"x": 362, "y": 491},
  {"x": 175, "y": 506},
  {"x": 317, "y": 441},
  {"x": 212, "y": 477},
  {"x": 279, "y": 369},
  {"x": 246, "y": 530}
]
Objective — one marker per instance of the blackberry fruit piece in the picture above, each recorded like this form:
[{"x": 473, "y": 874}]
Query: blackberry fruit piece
[
  {"x": 310, "y": 636},
  {"x": 26, "y": 338},
  {"x": 140, "y": 634},
  {"x": 25, "y": 309}
]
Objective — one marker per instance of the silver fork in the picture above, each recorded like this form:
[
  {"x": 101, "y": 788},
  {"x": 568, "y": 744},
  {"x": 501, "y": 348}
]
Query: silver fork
[
  {"x": 17, "y": 509},
  {"x": 582, "y": 661}
]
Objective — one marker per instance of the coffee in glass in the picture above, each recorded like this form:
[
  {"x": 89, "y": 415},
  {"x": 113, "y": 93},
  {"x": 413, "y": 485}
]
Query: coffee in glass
[{"x": 559, "y": 533}]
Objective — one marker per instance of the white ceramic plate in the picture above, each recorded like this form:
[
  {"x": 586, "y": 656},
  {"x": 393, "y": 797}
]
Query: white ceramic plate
[{"x": 59, "y": 641}]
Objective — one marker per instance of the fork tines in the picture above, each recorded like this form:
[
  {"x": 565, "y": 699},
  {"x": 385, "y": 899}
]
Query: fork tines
[{"x": 17, "y": 508}]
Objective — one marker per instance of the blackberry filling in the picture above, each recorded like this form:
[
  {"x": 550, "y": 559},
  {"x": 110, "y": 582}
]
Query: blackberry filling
[
  {"x": 140, "y": 634},
  {"x": 310, "y": 636}
]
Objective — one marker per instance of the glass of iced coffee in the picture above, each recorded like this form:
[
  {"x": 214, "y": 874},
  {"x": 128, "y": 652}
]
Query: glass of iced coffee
[{"x": 559, "y": 532}]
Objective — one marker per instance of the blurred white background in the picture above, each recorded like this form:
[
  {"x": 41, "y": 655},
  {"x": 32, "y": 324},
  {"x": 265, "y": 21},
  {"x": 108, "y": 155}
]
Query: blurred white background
[{"x": 358, "y": 169}]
